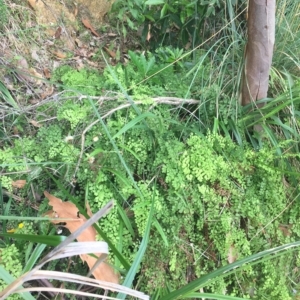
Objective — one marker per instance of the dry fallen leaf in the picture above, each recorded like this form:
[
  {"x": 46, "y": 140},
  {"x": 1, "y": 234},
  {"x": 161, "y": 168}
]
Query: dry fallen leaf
[
  {"x": 35, "y": 55},
  {"x": 232, "y": 254},
  {"x": 37, "y": 77},
  {"x": 47, "y": 92},
  {"x": 93, "y": 64},
  {"x": 23, "y": 69},
  {"x": 75, "y": 10},
  {"x": 34, "y": 101},
  {"x": 47, "y": 73},
  {"x": 112, "y": 54},
  {"x": 36, "y": 4},
  {"x": 19, "y": 184},
  {"x": 187, "y": 45},
  {"x": 58, "y": 33},
  {"x": 79, "y": 43},
  {"x": 149, "y": 33},
  {"x": 111, "y": 34},
  {"x": 285, "y": 229},
  {"x": 60, "y": 54},
  {"x": 88, "y": 25},
  {"x": 35, "y": 123},
  {"x": 83, "y": 52},
  {"x": 68, "y": 210},
  {"x": 88, "y": 209},
  {"x": 79, "y": 64},
  {"x": 15, "y": 130}
]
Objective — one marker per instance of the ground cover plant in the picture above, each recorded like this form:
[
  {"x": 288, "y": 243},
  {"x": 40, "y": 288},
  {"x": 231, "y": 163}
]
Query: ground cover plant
[{"x": 205, "y": 206}]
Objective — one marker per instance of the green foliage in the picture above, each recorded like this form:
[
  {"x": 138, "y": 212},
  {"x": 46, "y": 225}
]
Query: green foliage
[
  {"x": 132, "y": 76},
  {"x": 170, "y": 55},
  {"x": 10, "y": 260},
  {"x": 3, "y": 13},
  {"x": 169, "y": 23},
  {"x": 148, "y": 75},
  {"x": 214, "y": 200},
  {"x": 73, "y": 112},
  {"x": 6, "y": 183},
  {"x": 50, "y": 147},
  {"x": 142, "y": 76},
  {"x": 85, "y": 81},
  {"x": 203, "y": 188},
  {"x": 211, "y": 189}
]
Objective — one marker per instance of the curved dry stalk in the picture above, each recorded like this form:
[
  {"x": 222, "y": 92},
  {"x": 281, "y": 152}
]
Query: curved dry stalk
[
  {"x": 78, "y": 279},
  {"x": 79, "y": 248},
  {"x": 158, "y": 100},
  {"x": 61, "y": 290}
]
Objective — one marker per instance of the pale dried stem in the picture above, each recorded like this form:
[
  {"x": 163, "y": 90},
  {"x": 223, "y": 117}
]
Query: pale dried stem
[
  {"x": 55, "y": 253},
  {"x": 158, "y": 100}
]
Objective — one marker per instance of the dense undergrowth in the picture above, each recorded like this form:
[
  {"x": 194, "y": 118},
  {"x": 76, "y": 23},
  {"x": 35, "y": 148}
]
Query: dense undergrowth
[{"x": 220, "y": 190}]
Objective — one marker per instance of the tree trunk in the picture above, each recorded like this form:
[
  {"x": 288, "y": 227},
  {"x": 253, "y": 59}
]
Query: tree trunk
[{"x": 259, "y": 50}]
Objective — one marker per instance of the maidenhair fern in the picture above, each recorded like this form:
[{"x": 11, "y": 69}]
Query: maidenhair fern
[
  {"x": 214, "y": 200},
  {"x": 10, "y": 260}
]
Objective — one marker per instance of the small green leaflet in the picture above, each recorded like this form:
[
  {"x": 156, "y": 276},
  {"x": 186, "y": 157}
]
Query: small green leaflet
[{"x": 155, "y": 2}]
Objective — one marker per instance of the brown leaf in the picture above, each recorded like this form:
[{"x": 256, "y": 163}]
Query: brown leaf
[
  {"x": 31, "y": 3},
  {"x": 187, "y": 45},
  {"x": 36, "y": 4},
  {"x": 47, "y": 73},
  {"x": 60, "y": 54},
  {"x": 111, "y": 34},
  {"x": 232, "y": 254},
  {"x": 35, "y": 123},
  {"x": 285, "y": 229},
  {"x": 23, "y": 69},
  {"x": 79, "y": 43},
  {"x": 76, "y": 10},
  {"x": 79, "y": 64},
  {"x": 47, "y": 92},
  {"x": 58, "y": 33},
  {"x": 68, "y": 210},
  {"x": 88, "y": 25},
  {"x": 36, "y": 76},
  {"x": 149, "y": 33},
  {"x": 112, "y": 54},
  {"x": 82, "y": 52},
  {"x": 35, "y": 55},
  {"x": 93, "y": 64},
  {"x": 22, "y": 63},
  {"x": 19, "y": 184},
  {"x": 34, "y": 101},
  {"x": 15, "y": 130},
  {"x": 88, "y": 209}
]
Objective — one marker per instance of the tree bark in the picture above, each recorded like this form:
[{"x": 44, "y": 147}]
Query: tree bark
[{"x": 259, "y": 50}]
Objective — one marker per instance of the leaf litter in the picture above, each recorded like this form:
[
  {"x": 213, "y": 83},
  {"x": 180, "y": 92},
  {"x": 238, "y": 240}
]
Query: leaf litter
[{"x": 68, "y": 210}]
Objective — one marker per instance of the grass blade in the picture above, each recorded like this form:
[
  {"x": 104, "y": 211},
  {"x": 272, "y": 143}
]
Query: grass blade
[
  {"x": 125, "y": 219},
  {"x": 8, "y": 279},
  {"x": 34, "y": 257},
  {"x": 140, "y": 254},
  {"x": 186, "y": 290},
  {"x": 134, "y": 122},
  {"x": 50, "y": 240},
  {"x": 19, "y": 218},
  {"x": 213, "y": 296},
  {"x": 6, "y": 96}
]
